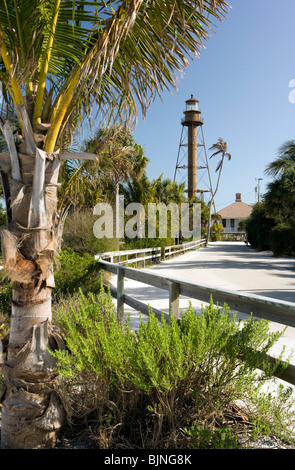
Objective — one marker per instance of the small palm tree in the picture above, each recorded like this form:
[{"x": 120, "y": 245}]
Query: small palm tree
[
  {"x": 119, "y": 159},
  {"x": 140, "y": 190},
  {"x": 221, "y": 148},
  {"x": 169, "y": 191},
  {"x": 284, "y": 161},
  {"x": 85, "y": 183}
]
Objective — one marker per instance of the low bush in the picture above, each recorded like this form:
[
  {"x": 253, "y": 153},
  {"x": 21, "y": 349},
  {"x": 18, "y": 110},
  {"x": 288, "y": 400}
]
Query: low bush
[
  {"x": 216, "y": 231},
  {"x": 282, "y": 239},
  {"x": 259, "y": 226},
  {"x": 166, "y": 384},
  {"x": 74, "y": 271}
]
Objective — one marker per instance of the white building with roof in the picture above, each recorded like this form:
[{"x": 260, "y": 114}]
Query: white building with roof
[{"x": 233, "y": 214}]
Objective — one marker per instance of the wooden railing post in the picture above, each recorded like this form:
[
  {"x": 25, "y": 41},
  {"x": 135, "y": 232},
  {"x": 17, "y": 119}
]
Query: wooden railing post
[
  {"x": 120, "y": 295},
  {"x": 174, "y": 288}
]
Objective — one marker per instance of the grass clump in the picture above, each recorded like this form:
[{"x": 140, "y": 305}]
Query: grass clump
[{"x": 168, "y": 384}]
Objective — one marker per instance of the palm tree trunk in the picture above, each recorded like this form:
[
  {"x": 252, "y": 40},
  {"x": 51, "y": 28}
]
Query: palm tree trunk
[
  {"x": 211, "y": 202},
  {"x": 32, "y": 413}
]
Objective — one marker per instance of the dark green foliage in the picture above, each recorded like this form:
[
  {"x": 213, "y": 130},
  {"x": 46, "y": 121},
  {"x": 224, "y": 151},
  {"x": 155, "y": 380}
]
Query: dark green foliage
[
  {"x": 280, "y": 196},
  {"x": 140, "y": 243},
  {"x": 74, "y": 271},
  {"x": 145, "y": 387},
  {"x": 258, "y": 227},
  {"x": 202, "y": 437},
  {"x": 5, "y": 297},
  {"x": 271, "y": 224},
  {"x": 282, "y": 239}
]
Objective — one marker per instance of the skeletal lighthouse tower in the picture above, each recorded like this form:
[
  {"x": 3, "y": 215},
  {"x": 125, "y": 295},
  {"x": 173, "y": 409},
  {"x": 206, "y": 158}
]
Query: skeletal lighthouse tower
[
  {"x": 192, "y": 120},
  {"x": 192, "y": 164}
]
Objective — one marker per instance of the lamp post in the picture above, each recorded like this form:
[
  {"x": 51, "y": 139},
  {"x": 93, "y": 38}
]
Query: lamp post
[{"x": 259, "y": 179}]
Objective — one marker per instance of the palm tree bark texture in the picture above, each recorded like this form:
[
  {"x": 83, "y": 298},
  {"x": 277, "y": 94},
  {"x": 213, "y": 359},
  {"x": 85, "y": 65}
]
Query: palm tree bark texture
[{"x": 31, "y": 411}]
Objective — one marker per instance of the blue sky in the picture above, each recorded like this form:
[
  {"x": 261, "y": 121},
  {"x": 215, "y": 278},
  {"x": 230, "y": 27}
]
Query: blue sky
[{"x": 242, "y": 83}]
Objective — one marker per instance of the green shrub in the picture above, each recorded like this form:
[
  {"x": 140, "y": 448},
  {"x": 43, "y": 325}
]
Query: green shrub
[
  {"x": 76, "y": 271},
  {"x": 258, "y": 227},
  {"x": 282, "y": 239},
  {"x": 202, "y": 437},
  {"x": 145, "y": 387},
  {"x": 137, "y": 244},
  {"x": 216, "y": 231}
]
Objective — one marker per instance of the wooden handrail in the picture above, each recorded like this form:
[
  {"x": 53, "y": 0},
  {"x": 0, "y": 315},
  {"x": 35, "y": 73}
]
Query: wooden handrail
[
  {"x": 156, "y": 252},
  {"x": 128, "y": 252},
  {"x": 173, "y": 249}
]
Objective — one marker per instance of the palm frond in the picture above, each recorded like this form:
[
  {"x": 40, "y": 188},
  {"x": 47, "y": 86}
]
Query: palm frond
[
  {"x": 220, "y": 146},
  {"x": 284, "y": 161}
]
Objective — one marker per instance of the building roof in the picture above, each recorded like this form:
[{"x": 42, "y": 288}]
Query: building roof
[{"x": 237, "y": 210}]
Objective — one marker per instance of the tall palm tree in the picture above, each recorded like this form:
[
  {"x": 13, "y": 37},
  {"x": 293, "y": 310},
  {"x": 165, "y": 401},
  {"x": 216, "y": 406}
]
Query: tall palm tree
[
  {"x": 60, "y": 60},
  {"x": 284, "y": 161},
  {"x": 221, "y": 149}
]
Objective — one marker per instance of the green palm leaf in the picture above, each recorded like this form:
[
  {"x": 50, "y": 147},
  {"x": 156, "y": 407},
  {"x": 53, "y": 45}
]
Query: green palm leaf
[{"x": 284, "y": 161}]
